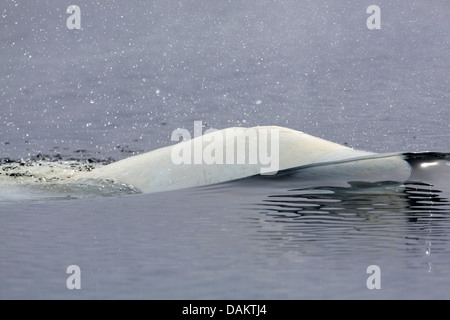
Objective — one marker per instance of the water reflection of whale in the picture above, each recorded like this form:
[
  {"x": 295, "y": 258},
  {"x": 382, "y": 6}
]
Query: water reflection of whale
[
  {"x": 357, "y": 200},
  {"x": 327, "y": 189},
  {"x": 345, "y": 214}
]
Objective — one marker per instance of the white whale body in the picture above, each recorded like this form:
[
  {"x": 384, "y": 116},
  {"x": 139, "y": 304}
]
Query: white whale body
[{"x": 161, "y": 170}]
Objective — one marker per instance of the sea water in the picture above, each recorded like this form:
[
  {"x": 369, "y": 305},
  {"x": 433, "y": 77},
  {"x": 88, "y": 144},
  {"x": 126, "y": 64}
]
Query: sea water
[{"x": 136, "y": 71}]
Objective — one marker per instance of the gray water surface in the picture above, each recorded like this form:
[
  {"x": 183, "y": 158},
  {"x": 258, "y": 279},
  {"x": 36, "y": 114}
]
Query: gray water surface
[
  {"x": 256, "y": 238},
  {"x": 137, "y": 70}
]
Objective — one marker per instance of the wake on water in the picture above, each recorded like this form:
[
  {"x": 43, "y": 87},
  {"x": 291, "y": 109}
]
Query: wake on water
[{"x": 46, "y": 180}]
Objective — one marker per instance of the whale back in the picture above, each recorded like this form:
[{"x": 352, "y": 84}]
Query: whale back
[{"x": 162, "y": 170}]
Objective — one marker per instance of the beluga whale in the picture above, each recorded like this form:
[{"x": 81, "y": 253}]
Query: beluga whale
[{"x": 235, "y": 153}]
